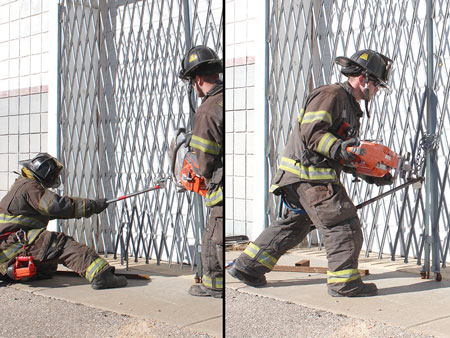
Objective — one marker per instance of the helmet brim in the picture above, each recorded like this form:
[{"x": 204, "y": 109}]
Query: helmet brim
[
  {"x": 347, "y": 62},
  {"x": 25, "y": 162},
  {"x": 202, "y": 68}
]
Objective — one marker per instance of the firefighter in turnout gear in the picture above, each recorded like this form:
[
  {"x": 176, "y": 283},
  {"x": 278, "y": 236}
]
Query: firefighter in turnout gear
[
  {"x": 201, "y": 67},
  {"x": 308, "y": 180},
  {"x": 24, "y": 215}
]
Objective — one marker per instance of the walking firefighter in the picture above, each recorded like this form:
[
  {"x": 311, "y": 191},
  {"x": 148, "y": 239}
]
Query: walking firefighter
[{"x": 308, "y": 179}]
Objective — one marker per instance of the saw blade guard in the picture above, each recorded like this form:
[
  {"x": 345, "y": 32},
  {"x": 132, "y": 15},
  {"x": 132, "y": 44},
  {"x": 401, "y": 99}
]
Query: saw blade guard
[{"x": 377, "y": 160}]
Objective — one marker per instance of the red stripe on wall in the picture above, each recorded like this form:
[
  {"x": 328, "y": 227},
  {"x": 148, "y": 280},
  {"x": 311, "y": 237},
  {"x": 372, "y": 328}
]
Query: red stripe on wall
[
  {"x": 241, "y": 61},
  {"x": 24, "y": 91}
]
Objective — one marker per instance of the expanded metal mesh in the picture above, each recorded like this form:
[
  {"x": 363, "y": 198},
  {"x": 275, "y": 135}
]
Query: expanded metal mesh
[
  {"x": 305, "y": 37},
  {"x": 121, "y": 104}
]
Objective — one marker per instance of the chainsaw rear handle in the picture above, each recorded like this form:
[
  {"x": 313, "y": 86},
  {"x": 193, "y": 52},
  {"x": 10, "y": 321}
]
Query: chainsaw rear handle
[{"x": 174, "y": 159}]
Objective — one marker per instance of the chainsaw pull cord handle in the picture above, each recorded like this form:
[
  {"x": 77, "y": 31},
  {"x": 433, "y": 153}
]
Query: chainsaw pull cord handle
[{"x": 17, "y": 271}]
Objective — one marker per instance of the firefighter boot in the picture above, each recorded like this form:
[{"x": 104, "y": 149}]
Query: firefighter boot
[
  {"x": 203, "y": 291},
  {"x": 246, "y": 278},
  {"x": 107, "y": 279},
  {"x": 363, "y": 290}
]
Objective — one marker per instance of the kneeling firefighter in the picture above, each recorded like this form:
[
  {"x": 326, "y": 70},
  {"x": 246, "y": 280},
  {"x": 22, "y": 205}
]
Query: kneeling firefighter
[{"x": 24, "y": 215}]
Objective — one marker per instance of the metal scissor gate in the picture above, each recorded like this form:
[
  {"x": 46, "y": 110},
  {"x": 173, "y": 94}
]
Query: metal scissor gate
[
  {"x": 304, "y": 37},
  {"x": 120, "y": 104}
]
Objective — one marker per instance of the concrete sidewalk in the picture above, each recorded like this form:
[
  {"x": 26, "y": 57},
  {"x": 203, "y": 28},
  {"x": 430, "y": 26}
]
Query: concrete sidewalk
[
  {"x": 164, "y": 298},
  {"x": 405, "y": 300}
]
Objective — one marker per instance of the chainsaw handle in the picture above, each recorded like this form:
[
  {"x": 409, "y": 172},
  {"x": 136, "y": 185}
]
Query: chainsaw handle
[{"x": 174, "y": 159}]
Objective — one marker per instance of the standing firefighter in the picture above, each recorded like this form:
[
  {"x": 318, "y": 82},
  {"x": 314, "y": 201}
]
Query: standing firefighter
[
  {"x": 24, "y": 215},
  {"x": 201, "y": 67},
  {"x": 308, "y": 180}
]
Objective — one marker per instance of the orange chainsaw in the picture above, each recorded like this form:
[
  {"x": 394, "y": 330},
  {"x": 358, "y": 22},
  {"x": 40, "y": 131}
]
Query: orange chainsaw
[
  {"x": 185, "y": 169},
  {"x": 374, "y": 159}
]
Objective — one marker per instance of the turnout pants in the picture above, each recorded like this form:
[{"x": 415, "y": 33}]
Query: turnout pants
[
  {"x": 52, "y": 248},
  {"x": 329, "y": 208},
  {"x": 212, "y": 250}
]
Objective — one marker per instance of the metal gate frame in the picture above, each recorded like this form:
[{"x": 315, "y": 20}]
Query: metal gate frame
[
  {"x": 303, "y": 37},
  {"x": 119, "y": 104}
]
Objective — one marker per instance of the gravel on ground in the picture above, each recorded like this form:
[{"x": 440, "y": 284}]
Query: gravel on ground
[
  {"x": 255, "y": 316},
  {"x": 25, "y": 314}
]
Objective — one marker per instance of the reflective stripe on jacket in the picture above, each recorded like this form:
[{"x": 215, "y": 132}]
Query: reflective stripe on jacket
[
  {"x": 28, "y": 205},
  {"x": 23, "y": 221},
  {"x": 215, "y": 197},
  {"x": 307, "y": 151},
  {"x": 207, "y": 142},
  {"x": 15, "y": 249}
]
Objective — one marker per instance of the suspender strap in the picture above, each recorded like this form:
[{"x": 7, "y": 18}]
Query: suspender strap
[{"x": 298, "y": 211}]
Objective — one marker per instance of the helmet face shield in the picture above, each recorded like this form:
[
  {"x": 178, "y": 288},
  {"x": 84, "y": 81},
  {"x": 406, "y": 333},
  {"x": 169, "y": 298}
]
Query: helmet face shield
[
  {"x": 385, "y": 84},
  {"x": 184, "y": 82}
]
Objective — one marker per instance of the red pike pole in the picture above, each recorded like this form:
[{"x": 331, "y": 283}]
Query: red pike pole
[{"x": 160, "y": 184}]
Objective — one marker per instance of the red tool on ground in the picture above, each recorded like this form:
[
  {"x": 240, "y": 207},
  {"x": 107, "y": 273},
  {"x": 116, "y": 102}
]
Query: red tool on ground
[{"x": 23, "y": 268}]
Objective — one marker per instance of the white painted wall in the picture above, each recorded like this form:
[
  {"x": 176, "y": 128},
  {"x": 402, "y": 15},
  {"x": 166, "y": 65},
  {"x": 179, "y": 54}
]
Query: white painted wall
[{"x": 24, "y": 84}]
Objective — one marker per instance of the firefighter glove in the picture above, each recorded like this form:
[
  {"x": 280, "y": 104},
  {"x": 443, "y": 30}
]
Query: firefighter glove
[
  {"x": 339, "y": 150},
  {"x": 99, "y": 205},
  {"x": 380, "y": 181}
]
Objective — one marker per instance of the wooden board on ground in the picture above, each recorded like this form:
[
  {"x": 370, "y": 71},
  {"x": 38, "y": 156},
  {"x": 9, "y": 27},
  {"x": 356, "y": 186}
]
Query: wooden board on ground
[
  {"x": 311, "y": 269},
  {"x": 127, "y": 275}
]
